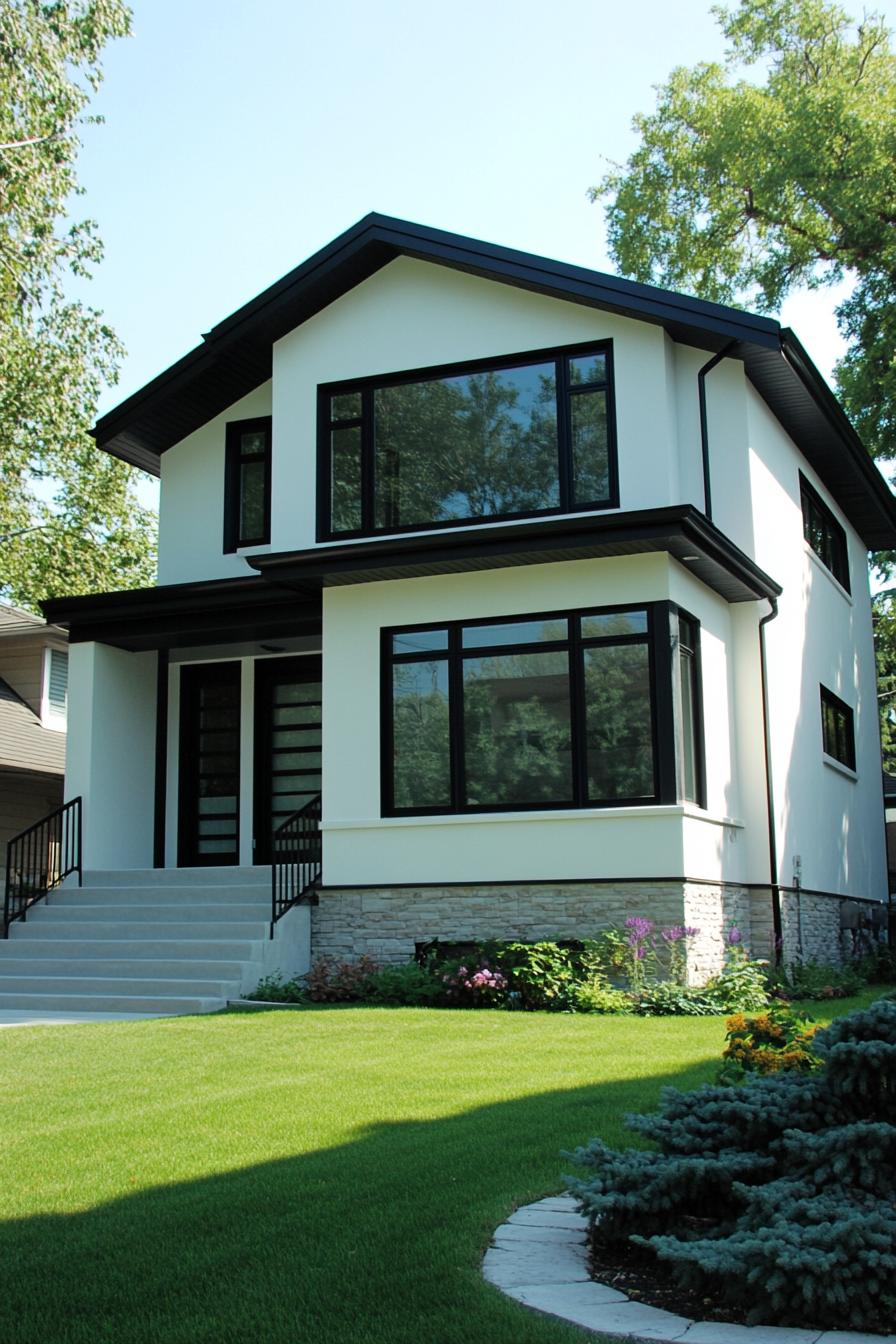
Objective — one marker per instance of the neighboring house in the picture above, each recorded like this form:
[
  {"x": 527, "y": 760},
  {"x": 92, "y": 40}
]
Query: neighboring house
[
  {"x": 33, "y": 693},
  {"x": 529, "y": 571}
]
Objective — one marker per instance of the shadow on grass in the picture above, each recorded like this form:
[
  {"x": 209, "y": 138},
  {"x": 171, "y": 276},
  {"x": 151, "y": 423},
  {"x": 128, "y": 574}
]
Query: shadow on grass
[{"x": 377, "y": 1240}]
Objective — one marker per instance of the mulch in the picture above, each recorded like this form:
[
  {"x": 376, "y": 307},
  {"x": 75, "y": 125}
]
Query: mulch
[{"x": 642, "y": 1277}]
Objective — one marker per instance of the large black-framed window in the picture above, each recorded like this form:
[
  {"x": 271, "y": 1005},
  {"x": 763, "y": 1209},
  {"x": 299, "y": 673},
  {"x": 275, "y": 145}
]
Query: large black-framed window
[
  {"x": 247, "y": 483},
  {"x": 555, "y": 710},
  {"x": 838, "y": 738},
  {"x": 824, "y": 534},
  {"x": 518, "y": 436}
]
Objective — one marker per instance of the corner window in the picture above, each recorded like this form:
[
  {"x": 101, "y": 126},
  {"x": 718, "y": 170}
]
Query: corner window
[
  {"x": 507, "y": 438},
  {"x": 837, "y": 731},
  {"x": 247, "y": 486},
  {"x": 824, "y": 534},
  {"x": 534, "y": 712}
]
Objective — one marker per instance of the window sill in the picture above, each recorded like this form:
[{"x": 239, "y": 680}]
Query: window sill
[
  {"x": 820, "y": 565},
  {"x": 841, "y": 769},
  {"x": 670, "y": 810}
]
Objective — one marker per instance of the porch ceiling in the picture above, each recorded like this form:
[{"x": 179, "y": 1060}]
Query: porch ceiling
[{"x": 181, "y": 615}]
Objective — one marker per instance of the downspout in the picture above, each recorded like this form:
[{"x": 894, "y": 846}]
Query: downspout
[
  {"x": 769, "y": 793},
  {"x": 704, "y": 431}
]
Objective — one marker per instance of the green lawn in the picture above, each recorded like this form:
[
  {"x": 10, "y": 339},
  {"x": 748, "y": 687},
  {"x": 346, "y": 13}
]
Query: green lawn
[{"x": 326, "y": 1175}]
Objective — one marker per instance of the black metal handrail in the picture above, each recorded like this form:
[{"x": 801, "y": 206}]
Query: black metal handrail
[
  {"x": 296, "y": 860},
  {"x": 37, "y": 860}
]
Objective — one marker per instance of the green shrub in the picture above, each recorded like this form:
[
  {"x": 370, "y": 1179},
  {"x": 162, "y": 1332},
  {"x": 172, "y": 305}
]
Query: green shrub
[
  {"x": 596, "y": 995},
  {"x": 742, "y": 986},
  {"x": 668, "y": 999},
  {"x": 775, "y": 1197},
  {"x": 410, "y": 985},
  {"x": 810, "y": 980},
  {"x": 274, "y": 989},
  {"x": 542, "y": 975}
]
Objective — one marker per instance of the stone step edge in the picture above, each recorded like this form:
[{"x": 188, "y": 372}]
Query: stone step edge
[{"x": 541, "y": 1246}]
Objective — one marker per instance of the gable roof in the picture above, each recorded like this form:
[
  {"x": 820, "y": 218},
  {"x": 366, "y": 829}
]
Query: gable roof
[{"x": 236, "y": 355}]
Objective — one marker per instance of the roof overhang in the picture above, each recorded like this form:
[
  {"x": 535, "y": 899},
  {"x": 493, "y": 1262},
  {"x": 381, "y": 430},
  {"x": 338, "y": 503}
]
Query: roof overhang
[
  {"x": 181, "y": 615},
  {"x": 682, "y": 532},
  {"x": 236, "y": 355}
]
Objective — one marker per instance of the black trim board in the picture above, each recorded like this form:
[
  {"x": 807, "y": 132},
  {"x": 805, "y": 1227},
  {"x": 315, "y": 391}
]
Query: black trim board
[
  {"x": 682, "y": 531},
  {"x": 236, "y": 355}
]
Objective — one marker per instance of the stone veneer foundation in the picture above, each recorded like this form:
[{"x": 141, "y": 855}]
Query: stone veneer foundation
[{"x": 388, "y": 923}]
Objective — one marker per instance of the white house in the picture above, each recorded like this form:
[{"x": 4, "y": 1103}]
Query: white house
[{"x": 552, "y": 585}]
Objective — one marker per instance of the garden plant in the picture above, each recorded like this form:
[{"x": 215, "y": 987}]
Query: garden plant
[{"x": 774, "y": 1196}]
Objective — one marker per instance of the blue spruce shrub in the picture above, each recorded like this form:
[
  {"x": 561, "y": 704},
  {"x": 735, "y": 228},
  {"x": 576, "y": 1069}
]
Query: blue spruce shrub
[{"x": 777, "y": 1196}]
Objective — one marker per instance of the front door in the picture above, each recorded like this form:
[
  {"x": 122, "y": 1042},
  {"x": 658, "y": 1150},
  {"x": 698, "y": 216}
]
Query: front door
[
  {"x": 287, "y": 743},
  {"x": 209, "y": 822}
]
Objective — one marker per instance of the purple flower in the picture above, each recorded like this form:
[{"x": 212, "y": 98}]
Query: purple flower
[
  {"x": 640, "y": 927},
  {"x": 733, "y": 936}
]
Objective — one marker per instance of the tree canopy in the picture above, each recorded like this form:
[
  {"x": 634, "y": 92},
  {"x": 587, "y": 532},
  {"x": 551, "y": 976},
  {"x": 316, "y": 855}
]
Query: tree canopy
[
  {"x": 70, "y": 521},
  {"x": 743, "y": 188}
]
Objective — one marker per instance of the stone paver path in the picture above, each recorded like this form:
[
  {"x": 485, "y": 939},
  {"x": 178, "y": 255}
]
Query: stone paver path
[{"x": 540, "y": 1257}]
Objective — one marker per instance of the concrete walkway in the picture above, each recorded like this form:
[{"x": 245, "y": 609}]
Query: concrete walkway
[
  {"x": 24, "y": 1017},
  {"x": 540, "y": 1258}
]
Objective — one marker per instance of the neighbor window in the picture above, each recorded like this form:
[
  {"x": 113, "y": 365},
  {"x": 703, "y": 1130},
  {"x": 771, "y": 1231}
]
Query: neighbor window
[
  {"x": 247, "y": 488},
  {"x": 824, "y": 534},
  {"x": 507, "y": 438},
  {"x": 539, "y": 711},
  {"x": 837, "y": 733},
  {"x": 56, "y": 687}
]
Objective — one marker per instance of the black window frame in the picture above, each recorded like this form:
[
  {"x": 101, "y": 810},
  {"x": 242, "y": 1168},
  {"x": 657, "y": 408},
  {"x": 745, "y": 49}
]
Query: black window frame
[
  {"x": 846, "y": 724},
  {"x": 661, "y": 640},
  {"x": 834, "y": 553},
  {"x": 565, "y": 392},
  {"x": 687, "y": 644},
  {"x": 234, "y": 458}
]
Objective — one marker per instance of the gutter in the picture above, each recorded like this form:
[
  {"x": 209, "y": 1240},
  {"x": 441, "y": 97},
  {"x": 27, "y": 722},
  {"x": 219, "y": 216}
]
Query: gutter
[
  {"x": 769, "y": 792},
  {"x": 704, "y": 431}
]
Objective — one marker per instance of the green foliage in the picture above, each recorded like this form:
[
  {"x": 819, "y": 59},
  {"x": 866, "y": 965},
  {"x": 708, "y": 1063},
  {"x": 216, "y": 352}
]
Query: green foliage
[
  {"x": 749, "y": 187},
  {"x": 595, "y": 994},
  {"x": 274, "y": 989},
  {"x": 741, "y": 986},
  {"x": 809, "y": 980},
  {"x": 668, "y": 999},
  {"x": 541, "y": 974},
  {"x": 56, "y": 354},
  {"x": 410, "y": 985},
  {"x": 775, "y": 1197}
]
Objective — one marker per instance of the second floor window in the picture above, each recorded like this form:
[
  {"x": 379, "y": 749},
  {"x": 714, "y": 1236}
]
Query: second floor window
[
  {"x": 837, "y": 733},
  {"x": 507, "y": 438},
  {"x": 247, "y": 485},
  {"x": 824, "y": 534}
]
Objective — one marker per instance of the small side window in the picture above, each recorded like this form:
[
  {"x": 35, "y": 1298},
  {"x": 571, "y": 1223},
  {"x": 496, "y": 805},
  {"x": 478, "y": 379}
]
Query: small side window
[
  {"x": 837, "y": 731},
  {"x": 824, "y": 534},
  {"x": 55, "y": 688},
  {"x": 247, "y": 486},
  {"x": 690, "y": 712}
]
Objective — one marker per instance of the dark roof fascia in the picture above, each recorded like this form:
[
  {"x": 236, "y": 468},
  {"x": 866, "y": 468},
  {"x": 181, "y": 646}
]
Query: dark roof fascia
[
  {"x": 681, "y": 531},
  {"x": 241, "y": 344},
  {"x": 179, "y": 615}
]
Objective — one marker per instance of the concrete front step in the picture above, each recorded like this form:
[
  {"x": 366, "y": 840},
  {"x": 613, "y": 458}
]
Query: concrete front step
[
  {"x": 121, "y": 986},
  {"x": 149, "y": 912},
  {"x": 179, "y": 877},
  {"x": 235, "y": 894},
  {"x": 232, "y": 949},
  {"x": 156, "y": 1004},
  {"x": 133, "y": 968},
  {"x": 67, "y": 925}
]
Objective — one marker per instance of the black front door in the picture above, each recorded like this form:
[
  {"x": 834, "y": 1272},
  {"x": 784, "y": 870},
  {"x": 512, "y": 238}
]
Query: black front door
[
  {"x": 287, "y": 742},
  {"x": 209, "y": 812}
]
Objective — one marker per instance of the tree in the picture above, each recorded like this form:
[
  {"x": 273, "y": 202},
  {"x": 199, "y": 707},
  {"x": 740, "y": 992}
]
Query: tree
[
  {"x": 743, "y": 190},
  {"x": 70, "y": 521}
]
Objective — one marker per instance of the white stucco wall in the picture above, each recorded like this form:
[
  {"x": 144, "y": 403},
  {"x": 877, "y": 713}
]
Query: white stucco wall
[
  {"x": 360, "y": 846},
  {"x": 191, "y": 499},
  {"x": 110, "y": 757},
  {"x": 829, "y": 818}
]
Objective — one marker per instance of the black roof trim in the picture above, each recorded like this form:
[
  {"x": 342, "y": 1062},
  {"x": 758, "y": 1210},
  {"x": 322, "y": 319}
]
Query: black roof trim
[
  {"x": 178, "y": 615},
  {"x": 236, "y": 355},
  {"x": 681, "y": 531}
]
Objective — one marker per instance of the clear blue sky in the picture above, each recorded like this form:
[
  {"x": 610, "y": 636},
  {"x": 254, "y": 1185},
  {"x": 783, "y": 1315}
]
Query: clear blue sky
[{"x": 240, "y": 137}]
